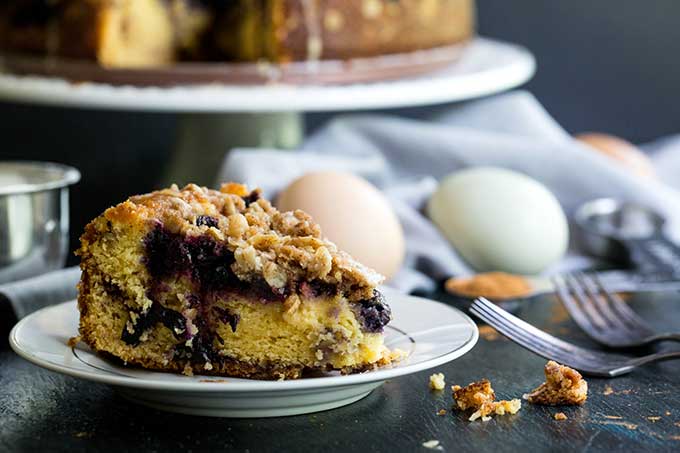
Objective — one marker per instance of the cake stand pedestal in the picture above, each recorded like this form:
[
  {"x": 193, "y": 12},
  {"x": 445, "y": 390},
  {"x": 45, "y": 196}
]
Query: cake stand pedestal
[
  {"x": 217, "y": 117},
  {"x": 204, "y": 139}
]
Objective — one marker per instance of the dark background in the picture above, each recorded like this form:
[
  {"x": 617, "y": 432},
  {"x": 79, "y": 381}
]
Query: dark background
[{"x": 609, "y": 65}]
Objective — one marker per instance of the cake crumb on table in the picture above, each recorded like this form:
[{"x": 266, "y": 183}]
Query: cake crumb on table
[
  {"x": 437, "y": 381},
  {"x": 496, "y": 408},
  {"x": 441, "y": 412},
  {"x": 562, "y": 386},
  {"x": 480, "y": 396},
  {"x": 560, "y": 416},
  {"x": 474, "y": 395},
  {"x": 433, "y": 445}
]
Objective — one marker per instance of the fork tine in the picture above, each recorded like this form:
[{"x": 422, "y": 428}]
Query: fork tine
[
  {"x": 622, "y": 309},
  {"x": 584, "y": 360},
  {"x": 525, "y": 326},
  {"x": 520, "y": 337},
  {"x": 545, "y": 345},
  {"x": 589, "y": 311},
  {"x": 597, "y": 297},
  {"x": 574, "y": 309},
  {"x": 532, "y": 338}
]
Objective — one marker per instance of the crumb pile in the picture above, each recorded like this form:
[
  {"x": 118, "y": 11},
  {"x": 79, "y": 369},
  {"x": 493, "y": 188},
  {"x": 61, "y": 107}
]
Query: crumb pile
[{"x": 563, "y": 386}]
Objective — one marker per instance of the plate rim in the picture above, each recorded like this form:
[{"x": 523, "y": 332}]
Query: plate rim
[{"x": 240, "y": 386}]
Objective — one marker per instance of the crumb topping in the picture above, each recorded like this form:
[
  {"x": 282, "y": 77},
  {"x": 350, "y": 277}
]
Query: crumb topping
[
  {"x": 437, "y": 381},
  {"x": 280, "y": 247},
  {"x": 562, "y": 386}
]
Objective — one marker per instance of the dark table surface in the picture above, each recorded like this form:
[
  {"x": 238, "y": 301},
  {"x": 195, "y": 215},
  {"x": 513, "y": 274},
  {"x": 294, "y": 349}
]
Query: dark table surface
[{"x": 44, "y": 411}]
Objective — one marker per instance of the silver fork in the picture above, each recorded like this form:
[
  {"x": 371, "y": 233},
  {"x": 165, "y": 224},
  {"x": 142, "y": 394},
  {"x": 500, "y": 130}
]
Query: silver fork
[
  {"x": 603, "y": 315},
  {"x": 588, "y": 361}
]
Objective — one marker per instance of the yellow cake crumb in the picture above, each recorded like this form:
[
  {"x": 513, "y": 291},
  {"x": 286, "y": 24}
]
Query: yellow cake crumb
[
  {"x": 437, "y": 381},
  {"x": 562, "y": 386},
  {"x": 560, "y": 416},
  {"x": 432, "y": 445},
  {"x": 441, "y": 412},
  {"x": 496, "y": 408}
]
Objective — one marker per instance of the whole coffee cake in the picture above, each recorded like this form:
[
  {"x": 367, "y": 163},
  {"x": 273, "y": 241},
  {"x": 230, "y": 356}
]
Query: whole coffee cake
[
  {"x": 144, "y": 33},
  {"x": 220, "y": 282}
]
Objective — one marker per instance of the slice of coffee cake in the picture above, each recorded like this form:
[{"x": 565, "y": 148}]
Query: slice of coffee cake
[{"x": 220, "y": 282}]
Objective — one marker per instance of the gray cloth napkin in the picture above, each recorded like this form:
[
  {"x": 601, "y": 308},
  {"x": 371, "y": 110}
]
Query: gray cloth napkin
[
  {"x": 406, "y": 157},
  {"x": 27, "y": 296}
]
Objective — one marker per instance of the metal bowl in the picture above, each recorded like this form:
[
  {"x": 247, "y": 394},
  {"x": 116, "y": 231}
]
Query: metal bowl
[{"x": 34, "y": 217}]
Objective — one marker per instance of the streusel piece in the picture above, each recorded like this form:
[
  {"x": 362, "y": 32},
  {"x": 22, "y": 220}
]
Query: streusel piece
[
  {"x": 474, "y": 395},
  {"x": 479, "y": 396},
  {"x": 562, "y": 386}
]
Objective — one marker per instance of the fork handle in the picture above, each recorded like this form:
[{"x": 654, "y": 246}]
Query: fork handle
[
  {"x": 666, "y": 337},
  {"x": 634, "y": 363}
]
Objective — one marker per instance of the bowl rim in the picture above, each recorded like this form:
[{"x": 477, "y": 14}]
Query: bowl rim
[{"x": 67, "y": 176}]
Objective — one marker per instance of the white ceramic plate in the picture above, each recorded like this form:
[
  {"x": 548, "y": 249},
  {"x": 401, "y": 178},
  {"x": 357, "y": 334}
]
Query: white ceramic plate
[
  {"x": 430, "y": 332},
  {"x": 485, "y": 67}
]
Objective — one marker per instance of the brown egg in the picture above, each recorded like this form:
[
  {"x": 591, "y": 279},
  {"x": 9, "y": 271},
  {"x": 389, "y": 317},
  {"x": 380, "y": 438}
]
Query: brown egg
[
  {"x": 620, "y": 150},
  {"x": 353, "y": 214}
]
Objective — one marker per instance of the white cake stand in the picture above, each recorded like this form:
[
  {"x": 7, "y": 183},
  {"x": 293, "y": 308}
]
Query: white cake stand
[{"x": 216, "y": 118}]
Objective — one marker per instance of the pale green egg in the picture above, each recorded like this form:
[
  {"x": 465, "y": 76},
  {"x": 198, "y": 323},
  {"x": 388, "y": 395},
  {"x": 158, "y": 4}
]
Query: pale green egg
[{"x": 500, "y": 220}]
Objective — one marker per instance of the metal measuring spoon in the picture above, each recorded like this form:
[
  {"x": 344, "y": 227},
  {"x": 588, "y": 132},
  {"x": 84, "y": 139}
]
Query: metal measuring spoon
[{"x": 625, "y": 231}]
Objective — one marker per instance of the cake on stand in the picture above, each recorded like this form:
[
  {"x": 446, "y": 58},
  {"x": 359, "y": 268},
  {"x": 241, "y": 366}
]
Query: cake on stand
[{"x": 222, "y": 106}]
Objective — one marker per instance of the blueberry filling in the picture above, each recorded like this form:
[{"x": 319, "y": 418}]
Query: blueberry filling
[
  {"x": 252, "y": 197},
  {"x": 227, "y": 317},
  {"x": 317, "y": 288},
  {"x": 166, "y": 253},
  {"x": 374, "y": 313},
  {"x": 207, "y": 262},
  {"x": 206, "y": 220},
  {"x": 156, "y": 314}
]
